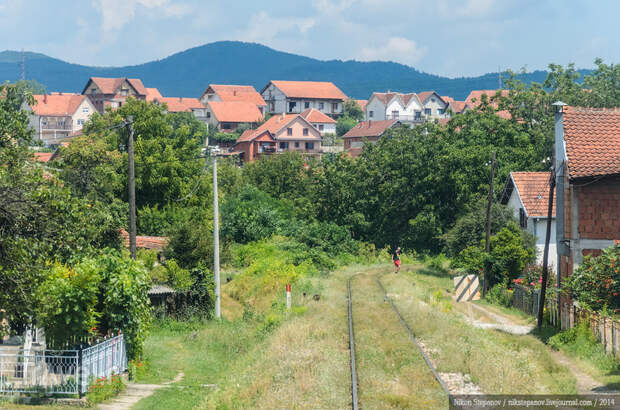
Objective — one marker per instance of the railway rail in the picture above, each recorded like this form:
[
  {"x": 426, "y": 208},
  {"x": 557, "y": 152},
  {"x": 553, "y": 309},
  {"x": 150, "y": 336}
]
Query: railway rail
[{"x": 354, "y": 382}]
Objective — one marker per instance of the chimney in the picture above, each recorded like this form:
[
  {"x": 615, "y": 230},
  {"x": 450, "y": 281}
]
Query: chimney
[
  {"x": 180, "y": 99},
  {"x": 389, "y": 91},
  {"x": 45, "y": 98},
  {"x": 235, "y": 93},
  {"x": 369, "y": 123}
]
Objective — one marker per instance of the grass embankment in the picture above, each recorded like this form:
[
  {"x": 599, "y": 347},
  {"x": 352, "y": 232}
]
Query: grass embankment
[
  {"x": 245, "y": 362},
  {"x": 498, "y": 362}
]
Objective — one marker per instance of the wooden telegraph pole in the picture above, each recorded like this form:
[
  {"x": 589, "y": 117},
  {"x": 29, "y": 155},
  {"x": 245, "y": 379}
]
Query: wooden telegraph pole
[
  {"x": 132, "y": 190},
  {"x": 487, "y": 242},
  {"x": 545, "y": 269}
]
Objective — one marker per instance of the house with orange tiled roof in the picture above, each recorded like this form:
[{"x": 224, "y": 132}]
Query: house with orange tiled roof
[
  {"x": 435, "y": 107},
  {"x": 587, "y": 163},
  {"x": 227, "y": 116},
  {"x": 406, "y": 108},
  {"x": 320, "y": 121},
  {"x": 153, "y": 94},
  {"x": 233, "y": 93},
  {"x": 280, "y": 133},
  {"x": 113, "y": 92},
  {"x": 366, "y": 132},
  {"x": 527, "y": 195},
  {"x": 294, "y": 97},
  {"x": 58, "y": 116}
]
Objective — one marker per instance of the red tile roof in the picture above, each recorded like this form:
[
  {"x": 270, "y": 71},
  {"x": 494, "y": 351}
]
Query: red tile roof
[
  {"x": 43, "y": 156},
  {"x": 153, "y": 94},
  {"x": 592, "y": 138},
  {"x": 181, "y": 104},
  {"x": 405, "y": 99},
  {"x": 235, "y": 111},
  {"x": 249, "y": 135},
  {"x": 146, "y": 242},
  {"x": 457, "y": 106},
  {"x": 369, "y": 129},
  {"x": 272, "y": 125},
  {"x": 110, "y": 85},
  {"x": 425, "y": 95},
  {"x": 474, "y": 98},
  {"x": 245, "y": 93},
  {"x": 317, "y": 117},
  {"x": 362, "y": 104},
  {"x": 533, "y": 190},
  {"x": 310, "y": 89},
  {"x": 60, "y": 104}
]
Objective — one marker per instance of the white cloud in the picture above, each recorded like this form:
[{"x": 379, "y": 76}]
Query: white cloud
[
  {"x": 263, "y": 28},
  {"x": 118, "y": 13},
  {"x": 398, "y": 49}
]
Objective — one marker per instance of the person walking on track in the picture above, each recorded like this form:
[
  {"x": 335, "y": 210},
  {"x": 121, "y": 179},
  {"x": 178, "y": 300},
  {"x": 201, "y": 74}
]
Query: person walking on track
[{"x": 396, "y": 260}]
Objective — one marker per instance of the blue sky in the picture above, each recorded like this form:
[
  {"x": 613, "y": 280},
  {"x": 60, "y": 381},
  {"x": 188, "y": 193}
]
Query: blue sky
[{"x": 446, "y": 37}]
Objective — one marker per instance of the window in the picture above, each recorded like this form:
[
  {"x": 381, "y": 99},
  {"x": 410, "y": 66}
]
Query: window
[
  {"x": 307, "y": 105},
  {"x": 334, "y": 107},
  {"x": 440, "y": 111},
  {"x": 296, "y": 144},
  {"x": 208, "y": 114},
  {"x": 289, "y": 131},
  {"x": 309, "y": 145},
  {"x": 427, "y": 111},
  {"x": 272, "y": 107},
  {"x": 305, "y": 133},
  {"x": 371, "y": 114},
  {"x": 124, "y": 92},
  {"x": 93, "y": 91},
  {"x": 284, "y": 145},
  {"x": 60, "y": 123},
  {"x": 226, "y": 125},
  {"x": 321, "y": 106},
  {"x": 418, "y": 115},
  {"x": 321, "y": 127},
  {"x": 522, "y": 218},
  {"x": 80, "y": 122},
  {"x": 395, "y": 115},
  {"x": 432, "y": 100},
  {"x": 44, "y": 121},
  {"x": 85, "y": 109},
  {"x": 291, "y": 106}
]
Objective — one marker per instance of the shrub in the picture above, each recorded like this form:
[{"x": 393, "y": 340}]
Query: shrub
[
  {"x": 105, "y": 388},
  {"x": 499, "y": 295},
  {"x": 596, "y": 282}
]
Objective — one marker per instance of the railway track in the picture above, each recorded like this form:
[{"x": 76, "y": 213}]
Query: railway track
[{"x": 354, "y": 379}]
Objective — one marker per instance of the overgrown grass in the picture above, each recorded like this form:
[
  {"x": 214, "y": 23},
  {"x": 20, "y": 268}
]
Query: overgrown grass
[{"x": 498, "y": 362}]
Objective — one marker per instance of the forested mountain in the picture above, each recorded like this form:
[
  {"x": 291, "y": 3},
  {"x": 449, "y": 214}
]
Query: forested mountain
[{"x": 229, "y": 62}]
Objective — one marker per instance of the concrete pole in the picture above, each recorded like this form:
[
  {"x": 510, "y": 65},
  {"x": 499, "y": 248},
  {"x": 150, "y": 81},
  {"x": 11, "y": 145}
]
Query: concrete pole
[
  {"x": 132, "y": 191},
  {"x": 216, "y": 238}
]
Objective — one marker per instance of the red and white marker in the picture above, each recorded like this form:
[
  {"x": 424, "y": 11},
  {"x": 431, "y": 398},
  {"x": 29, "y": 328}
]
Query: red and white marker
[{"x": 288, "y": 296}]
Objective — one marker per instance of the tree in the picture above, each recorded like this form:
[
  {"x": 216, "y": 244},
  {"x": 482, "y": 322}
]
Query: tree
[
  {"x": 344, "y": 124},
  {"x": 351, "y": 109}
]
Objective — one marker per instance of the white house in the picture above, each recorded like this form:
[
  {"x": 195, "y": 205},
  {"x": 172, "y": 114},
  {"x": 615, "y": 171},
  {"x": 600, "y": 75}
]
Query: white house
[
  {"x": 435, "y": 107},
  {"x": 405, "y": 108},
  {"x": 294, "y": 97},
  {"x": 320, "y": 121},
  {"x": 527, "y": 194},
  {"x": 59, "y": 116}
]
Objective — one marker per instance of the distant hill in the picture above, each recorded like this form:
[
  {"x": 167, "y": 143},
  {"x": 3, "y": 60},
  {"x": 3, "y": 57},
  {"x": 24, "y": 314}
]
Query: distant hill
[{"x": 188, "y": 73}]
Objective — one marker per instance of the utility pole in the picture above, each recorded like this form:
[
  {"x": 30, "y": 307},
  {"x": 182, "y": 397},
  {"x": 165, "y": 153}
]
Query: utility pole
[
  {"x": 216, "y": 236},
  {"x": 545, "y": 269},
  {"x": 132, "y": 190},
  {"x": 487, "y": 242}
]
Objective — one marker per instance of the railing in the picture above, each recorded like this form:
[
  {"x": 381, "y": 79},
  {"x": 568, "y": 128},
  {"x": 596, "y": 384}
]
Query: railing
[
  {"x": 103, "y": 360},
  {"x": 54, "y": 372},
  {"x": 45, "y": 371},
  {"x": 406, "y": 118},
  {"x": 526, "y": 299}
]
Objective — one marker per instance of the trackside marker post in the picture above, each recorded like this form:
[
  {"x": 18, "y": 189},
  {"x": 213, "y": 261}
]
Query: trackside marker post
[{"x": 288, "y": 296}]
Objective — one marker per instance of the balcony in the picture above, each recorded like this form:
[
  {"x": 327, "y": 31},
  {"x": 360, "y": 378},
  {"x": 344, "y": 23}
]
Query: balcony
[{"x": 414, "y": 119}]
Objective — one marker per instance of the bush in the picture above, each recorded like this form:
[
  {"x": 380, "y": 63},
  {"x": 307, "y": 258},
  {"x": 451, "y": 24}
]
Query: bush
[
  {"x": 107, "y": 293},
  {"x": 596, "y": 282},
  {"x": 105, "y": 388},
  {"x": 499, "y": 295}
]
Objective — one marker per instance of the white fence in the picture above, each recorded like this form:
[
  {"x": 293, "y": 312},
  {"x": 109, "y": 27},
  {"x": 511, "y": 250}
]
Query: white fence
[
  {"x": 56, "y": 372},
  {"x": 103, "y": 360}
]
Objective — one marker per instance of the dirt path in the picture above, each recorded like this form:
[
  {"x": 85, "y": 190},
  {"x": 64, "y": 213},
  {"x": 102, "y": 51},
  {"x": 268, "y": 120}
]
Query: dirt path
[
  {"x": 136, "y": 392},
  {"x": 585, "y": 383}
]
